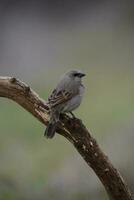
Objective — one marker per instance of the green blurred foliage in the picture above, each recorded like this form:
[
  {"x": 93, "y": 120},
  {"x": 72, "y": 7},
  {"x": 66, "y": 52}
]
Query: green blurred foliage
[{"x": 28, "y": 159}]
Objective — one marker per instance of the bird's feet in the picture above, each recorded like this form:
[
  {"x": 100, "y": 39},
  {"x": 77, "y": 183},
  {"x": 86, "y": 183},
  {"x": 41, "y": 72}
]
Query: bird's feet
[
  {"x": 72, "y": 115},
  {"x": 71, "y": 121}
]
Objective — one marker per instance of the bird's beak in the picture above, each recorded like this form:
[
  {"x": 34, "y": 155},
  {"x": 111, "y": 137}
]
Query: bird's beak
[{"x": 82, "y": 75}]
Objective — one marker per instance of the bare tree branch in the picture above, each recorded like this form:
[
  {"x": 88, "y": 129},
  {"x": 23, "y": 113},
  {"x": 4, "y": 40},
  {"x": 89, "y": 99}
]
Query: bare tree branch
[{"x": 74, "y": 131}]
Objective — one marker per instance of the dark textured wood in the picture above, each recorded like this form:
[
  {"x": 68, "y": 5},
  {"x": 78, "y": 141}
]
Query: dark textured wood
[{"x": 74, "y": 131}]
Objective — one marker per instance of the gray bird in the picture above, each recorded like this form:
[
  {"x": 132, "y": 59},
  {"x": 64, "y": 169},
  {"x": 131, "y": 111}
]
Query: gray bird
[{"x": 65, "y": 98}]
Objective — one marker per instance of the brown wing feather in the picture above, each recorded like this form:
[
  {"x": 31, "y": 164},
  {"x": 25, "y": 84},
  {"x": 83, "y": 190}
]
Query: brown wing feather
[{"x": 60, "y": 97}]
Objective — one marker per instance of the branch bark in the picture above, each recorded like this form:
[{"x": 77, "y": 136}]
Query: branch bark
[{"x": 74, "y": 131}]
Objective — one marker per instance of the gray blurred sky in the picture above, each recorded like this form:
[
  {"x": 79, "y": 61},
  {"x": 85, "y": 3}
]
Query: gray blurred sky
[{"x": 39, "y": 35}]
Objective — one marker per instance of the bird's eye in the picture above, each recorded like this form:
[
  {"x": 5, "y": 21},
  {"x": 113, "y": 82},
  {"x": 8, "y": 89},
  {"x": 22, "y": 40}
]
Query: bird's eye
[{"x": 76, "y": 74}]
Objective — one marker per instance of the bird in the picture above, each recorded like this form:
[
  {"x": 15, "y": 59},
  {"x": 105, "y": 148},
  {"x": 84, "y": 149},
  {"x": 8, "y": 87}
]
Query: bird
[{"x": 65, "y": 98}]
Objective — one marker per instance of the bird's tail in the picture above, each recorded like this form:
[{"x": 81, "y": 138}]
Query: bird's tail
[
  {"x": 50, "y": 130},
  {"x": 51, "y": 127}
]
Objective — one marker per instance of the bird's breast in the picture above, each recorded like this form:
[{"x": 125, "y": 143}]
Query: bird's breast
[{"x": 75, "y": 101}]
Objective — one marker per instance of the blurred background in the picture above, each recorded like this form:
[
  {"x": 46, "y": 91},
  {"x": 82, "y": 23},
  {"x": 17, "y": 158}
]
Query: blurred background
[{"x": 39, "y": 41}]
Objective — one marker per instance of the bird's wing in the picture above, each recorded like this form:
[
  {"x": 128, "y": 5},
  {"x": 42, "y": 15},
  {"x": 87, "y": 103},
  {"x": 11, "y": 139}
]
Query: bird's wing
[{"x": 60, "y": 97}]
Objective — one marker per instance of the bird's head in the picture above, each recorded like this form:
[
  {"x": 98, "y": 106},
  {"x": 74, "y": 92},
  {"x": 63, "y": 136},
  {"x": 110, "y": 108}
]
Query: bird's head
[{"x": 75, "y": 75}]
